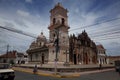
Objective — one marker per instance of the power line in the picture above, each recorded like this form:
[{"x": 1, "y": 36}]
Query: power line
[
  {"x": 20, "y": 32},
  {"x": 28, "y": 34},
  {"x": 108, "y": 29},
  {"x": 23, "y": 39},
  {"x": 107, "y": 33},
  {"x": 24, "y": 33},
  {"x": 96, "y": 24},
  {"x": 17, "y": 31},
  {"x": 111, "y": 36},
  {"x": 108, "y": 38}
]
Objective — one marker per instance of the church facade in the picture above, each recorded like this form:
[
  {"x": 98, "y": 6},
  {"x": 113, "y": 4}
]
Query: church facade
[{"x": 81, "y": 49}]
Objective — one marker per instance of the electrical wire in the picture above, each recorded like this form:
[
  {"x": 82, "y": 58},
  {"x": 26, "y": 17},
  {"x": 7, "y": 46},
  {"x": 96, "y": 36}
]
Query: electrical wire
[{"x": 96, "y": 24}]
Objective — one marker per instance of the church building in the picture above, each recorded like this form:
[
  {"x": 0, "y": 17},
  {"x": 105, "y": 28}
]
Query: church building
[{"x": 61, "y": 47}]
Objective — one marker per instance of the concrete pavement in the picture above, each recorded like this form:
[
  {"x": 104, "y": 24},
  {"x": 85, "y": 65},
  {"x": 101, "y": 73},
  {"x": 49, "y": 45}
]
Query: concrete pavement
[
  {"x": 47, "y": 73},
  {"x": 60, "y": 74},
  {"x": 61, "y": 65}
]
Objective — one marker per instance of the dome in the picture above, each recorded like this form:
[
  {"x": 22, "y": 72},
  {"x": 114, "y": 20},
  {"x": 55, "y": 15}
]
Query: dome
[{"x": 41, "y": 38}]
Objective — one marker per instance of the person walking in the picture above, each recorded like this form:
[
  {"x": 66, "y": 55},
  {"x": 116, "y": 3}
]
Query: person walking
[
  {"x": 35, "y": 69},
  {"x": 100, "y": 66},
  {"x": 119, "y": 71}
]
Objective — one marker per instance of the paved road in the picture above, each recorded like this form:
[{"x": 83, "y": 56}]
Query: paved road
[{"x": 108, "y": 75}]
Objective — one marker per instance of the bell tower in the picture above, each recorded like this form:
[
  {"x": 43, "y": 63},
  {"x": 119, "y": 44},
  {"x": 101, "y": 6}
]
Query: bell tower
[{"x": 59, "y": 28}]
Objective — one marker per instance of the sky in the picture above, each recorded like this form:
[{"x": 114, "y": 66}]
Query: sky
[{"x": 33, "y": 17}]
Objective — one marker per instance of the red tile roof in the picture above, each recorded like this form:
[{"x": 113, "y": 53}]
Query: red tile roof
[
  {"x": 9, "y": 55},
  {"x": 114, "y": 56},
  {"x": 100, "y": 46}
]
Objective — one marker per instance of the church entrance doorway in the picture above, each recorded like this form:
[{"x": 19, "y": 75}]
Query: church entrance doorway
[
  {"x": 42, "y": 58},
  {"x": 75, "y": 62}
]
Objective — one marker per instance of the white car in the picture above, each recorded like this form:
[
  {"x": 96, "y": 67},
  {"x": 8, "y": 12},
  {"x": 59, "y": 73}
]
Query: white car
[{"x": 5, "y": 72}]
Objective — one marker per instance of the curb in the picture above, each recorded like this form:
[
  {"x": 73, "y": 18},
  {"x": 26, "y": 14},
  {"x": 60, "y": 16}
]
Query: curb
[
  {"x": 49, "y": 75},
  {"x": 70, "y": 76}
]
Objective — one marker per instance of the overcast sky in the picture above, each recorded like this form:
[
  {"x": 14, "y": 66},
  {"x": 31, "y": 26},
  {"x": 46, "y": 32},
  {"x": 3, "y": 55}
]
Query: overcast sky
[{"x": 32, "y": 16}]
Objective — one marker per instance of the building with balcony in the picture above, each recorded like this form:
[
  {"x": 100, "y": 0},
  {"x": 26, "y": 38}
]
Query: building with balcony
[{"x": 101, "y": 52}]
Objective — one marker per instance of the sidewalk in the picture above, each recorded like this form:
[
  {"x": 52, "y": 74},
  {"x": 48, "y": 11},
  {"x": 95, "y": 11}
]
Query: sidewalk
[
  {"x": 47, "y": 73},
  {"x": 61, "y": 65},
  {"x": 62, "y": 68},
  {"x": 59, "y": 75}
]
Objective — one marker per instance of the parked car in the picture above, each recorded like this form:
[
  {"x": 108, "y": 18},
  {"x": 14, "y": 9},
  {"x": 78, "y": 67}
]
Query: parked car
[
  {"x": 6, "y": 73},
  {"x": 117, "y": 65}
]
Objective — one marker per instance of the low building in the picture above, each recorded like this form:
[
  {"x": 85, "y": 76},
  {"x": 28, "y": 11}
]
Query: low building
[
  {"x": 111, "y": 59},
  {"x": 21, "y": 58},
  {"x": 102, "y": 57},
  {"x": 14, "y": 57}
]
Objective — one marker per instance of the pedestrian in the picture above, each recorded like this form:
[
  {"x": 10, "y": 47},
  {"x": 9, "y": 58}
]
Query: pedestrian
[
  {"x": 119, "y": 71},
  {"x": 41, "y": 63},
  {"x": 100, "y": 66},
  {"x": 35, "y": 69}
]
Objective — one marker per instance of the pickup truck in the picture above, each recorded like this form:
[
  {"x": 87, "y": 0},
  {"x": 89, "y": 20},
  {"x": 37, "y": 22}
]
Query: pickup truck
[{"x": 6, "y": 73}]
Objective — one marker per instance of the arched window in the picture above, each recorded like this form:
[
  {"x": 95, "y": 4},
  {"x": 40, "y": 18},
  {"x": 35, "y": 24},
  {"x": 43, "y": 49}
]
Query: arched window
[
  {"x": 54, "y": 20},
  {"x": 53, "y": 35},
  {"x": 63, "y": 20},
  {"x": 31, "y": 57},
  {"x": 36, "y": 56}
]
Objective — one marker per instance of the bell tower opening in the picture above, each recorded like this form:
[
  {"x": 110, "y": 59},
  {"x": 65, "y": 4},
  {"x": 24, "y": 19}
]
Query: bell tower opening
[
  {"x": 54, "y": 20},
  {"x": 63, "y": 21}
]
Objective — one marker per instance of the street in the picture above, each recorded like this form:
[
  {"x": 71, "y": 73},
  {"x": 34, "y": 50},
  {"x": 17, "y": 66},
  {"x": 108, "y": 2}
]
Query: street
[{"x": 108, "y": 75}]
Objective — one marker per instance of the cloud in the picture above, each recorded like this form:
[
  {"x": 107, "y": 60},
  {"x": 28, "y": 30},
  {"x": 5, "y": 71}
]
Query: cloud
[
  {"x": 30, "y": 18},
  {"x": 7, "y": 23},
  {"x": 21, "y": 23},
  {"x": 28, "y": 1},
  {"x": 23, "y": 13}
]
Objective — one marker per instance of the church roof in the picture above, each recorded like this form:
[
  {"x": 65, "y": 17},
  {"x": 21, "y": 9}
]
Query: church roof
[
  {"x": 44, "y": 48},
  {"x": 57, "y": 6},
  {"x": 113, "y": 56},
  {"x": 84, "y": 36}
]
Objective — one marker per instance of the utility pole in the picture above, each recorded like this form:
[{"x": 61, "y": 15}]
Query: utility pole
[
  {"x": 7, "y": 53},
  {"x": 56, "y": 43}
]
